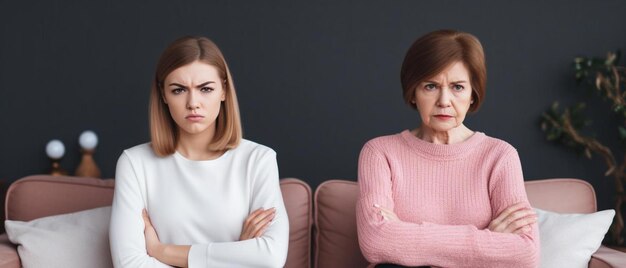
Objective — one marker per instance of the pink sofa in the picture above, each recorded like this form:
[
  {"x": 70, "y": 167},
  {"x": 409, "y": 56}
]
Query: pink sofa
[
  {"x": 335, "y": 221},
  {"x": 334, "y": 224},
  {"x": 41, "y": 195}
]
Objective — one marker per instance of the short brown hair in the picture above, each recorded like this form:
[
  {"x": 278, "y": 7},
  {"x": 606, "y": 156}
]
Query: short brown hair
[
  {"x": 433, "y": 52},
  {"x": 163, "y": 129}
]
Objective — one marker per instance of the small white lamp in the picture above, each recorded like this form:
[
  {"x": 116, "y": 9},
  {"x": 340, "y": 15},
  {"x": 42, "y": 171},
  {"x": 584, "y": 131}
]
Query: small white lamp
[
  {"x": 55, "y": 151},
  {"x": 88, "y": 141}
]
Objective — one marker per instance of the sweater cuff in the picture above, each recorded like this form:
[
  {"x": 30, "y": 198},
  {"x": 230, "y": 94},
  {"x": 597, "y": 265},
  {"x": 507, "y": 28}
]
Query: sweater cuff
[{"x": 198, "y": 256}]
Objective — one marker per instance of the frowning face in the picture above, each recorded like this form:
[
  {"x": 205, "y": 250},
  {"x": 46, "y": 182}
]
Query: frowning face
[
  {"x": 194, "y": 94},
  {"x": 443, "y": 100}
]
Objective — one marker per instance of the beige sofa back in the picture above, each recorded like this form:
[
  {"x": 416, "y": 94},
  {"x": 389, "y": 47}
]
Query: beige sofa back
[
  {"x": 335, "y": 224},
  {"x": 41, "y": 195}
]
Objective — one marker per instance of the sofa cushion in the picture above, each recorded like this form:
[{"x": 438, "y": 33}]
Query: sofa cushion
[
  {"x": 8, "y": 253},
  {"x": 78, "y": 239},
  {"x": 562, "y": 195},
  {"x": 569, "y": 240},
  {"x": 297, "y": 196},
  {"x": 336, "y": 239},
  {"x": 38, "y": 196}
]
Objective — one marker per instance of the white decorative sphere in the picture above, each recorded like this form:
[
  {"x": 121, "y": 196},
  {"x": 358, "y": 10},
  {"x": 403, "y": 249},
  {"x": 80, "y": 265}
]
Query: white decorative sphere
[
  {"x": 88, "y": 140},
  {"x": 55, "y": 149}
]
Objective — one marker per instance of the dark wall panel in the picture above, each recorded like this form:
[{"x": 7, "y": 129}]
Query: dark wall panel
[{"x": 315, "y": 80}]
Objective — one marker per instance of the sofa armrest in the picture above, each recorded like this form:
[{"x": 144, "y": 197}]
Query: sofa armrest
[
  {"x": 8, "y": 253},
  {"x": 609, "y": 258}
]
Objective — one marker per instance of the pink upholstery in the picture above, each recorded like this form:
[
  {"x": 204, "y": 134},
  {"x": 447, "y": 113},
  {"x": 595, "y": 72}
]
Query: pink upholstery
[
  {"x": 336, "y": 238},
  {"x": 8, "y": 253},
  {"x": 297, "y": 196},
  {"x": 336, "y": 242},
  {"x": 41, "y": 195},
  {"x": 606, "y": 257},
  {"x": 335, "y": 225},
  {"x": 562, "y": 195},
  {"x": 38, "y": 196}
]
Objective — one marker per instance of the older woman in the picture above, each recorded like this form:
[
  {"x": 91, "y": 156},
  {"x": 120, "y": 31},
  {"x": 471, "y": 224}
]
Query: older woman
[
  {"x": 198, "y": 195},
  {"x": 443, "y": 194}
]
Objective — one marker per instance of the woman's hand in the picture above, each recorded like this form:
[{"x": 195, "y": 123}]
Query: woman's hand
[
  {"x": 256, "y": 223},
  {"x": 153, "y": 244},
  {"x": 387, "y": 214},
  {"x": 173, "y": 255},
  {"x": 515, "y": 219}
]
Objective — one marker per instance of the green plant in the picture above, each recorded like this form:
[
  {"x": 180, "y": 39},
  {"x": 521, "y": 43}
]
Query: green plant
[{"x": 564, "y": 126}]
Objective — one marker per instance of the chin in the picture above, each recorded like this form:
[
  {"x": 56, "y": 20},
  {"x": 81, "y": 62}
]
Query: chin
[
  {"x": 443, "y": 128},
  {"x": 194, "y": 131}
]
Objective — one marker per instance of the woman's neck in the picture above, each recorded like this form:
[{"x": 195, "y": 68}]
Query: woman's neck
[
  {"x": 455, "y": 135},
  {"x": 196, "y": 146}
]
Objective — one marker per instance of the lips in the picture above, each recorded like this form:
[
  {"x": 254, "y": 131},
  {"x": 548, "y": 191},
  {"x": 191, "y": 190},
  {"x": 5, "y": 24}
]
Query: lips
[
  {"x": 443, "y": 116},
  {"x": 194, "y": 117}
]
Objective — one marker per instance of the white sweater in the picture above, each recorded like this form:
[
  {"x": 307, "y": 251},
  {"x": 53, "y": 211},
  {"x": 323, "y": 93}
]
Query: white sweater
[{"x": 198, "y": 203}]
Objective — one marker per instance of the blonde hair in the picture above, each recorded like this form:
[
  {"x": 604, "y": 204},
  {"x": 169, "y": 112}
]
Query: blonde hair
[{"x": 163, "y": 129}]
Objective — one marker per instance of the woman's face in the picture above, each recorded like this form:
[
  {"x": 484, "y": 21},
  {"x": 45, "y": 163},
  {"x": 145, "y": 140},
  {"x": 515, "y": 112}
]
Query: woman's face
[
  {"x": 194, "y": 93},
  {"x": 443, "y": 100}
]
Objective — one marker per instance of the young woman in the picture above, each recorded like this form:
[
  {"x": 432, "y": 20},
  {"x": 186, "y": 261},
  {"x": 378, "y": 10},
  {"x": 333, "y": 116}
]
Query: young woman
[
  {"x": 198, "y": 195},
  {"x": 442, "y": 194}
]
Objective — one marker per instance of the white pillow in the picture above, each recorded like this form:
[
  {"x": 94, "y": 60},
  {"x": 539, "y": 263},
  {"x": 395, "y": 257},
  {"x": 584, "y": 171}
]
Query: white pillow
[
  {"x": 79, "y": 239},
  {"x": 569, "y": 240}
]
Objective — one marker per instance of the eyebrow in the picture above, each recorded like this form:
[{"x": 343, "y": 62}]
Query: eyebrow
[
  {"x": 453, "y": 82},
  {"x": 199, "y": 86}
]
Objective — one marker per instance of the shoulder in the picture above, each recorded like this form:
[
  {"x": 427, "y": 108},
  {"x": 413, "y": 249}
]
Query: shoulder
[
  {"x": 141, "y": 153},
  {"x": 384, "y": 142},
  {"x": 134, "y": 160},
  {"x": 497, "y": 153},
  {"x": 496, "y": 146},
  {"x": 141, "y": 149},
  {"x": 259, "y": 158},
  {"x": 251, "y": 149}
]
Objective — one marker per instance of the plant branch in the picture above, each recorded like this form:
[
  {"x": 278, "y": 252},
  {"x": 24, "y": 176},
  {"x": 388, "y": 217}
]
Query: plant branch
[{"x": 589, "y": 143}]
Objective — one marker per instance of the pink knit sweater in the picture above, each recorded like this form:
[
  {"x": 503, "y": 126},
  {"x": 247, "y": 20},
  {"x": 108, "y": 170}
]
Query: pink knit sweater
[{"x": 445, "y": 197}]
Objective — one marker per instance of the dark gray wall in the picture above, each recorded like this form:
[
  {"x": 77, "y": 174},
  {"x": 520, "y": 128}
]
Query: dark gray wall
[{"x": 315, "y": 80}]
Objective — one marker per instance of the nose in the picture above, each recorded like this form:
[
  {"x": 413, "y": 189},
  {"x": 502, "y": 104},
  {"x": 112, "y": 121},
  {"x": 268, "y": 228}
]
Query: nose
[
  {"x": 444, "y": 98},
  {"x": 192, "y": 101}
]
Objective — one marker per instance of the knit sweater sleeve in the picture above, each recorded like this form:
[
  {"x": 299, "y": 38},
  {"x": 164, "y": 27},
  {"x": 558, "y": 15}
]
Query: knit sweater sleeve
[
  {"x": 269, "y": 250},
  {"x": 426, "y": 243}
]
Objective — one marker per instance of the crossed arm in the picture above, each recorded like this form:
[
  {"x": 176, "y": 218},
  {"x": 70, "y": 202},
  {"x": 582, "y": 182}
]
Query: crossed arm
[
  {"x": 263, "y": 241},
  {"x": 511, "y": 239},
  {"x": 255, "y": 226}
]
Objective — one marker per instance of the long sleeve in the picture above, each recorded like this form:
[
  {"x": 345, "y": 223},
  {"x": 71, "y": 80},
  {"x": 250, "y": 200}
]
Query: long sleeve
[
  {"x": 427, "y": 243},
  {"x": 127, "y": 241},
  {"x": 506, "y": 188},
  {"x": 269, "y": 250}
]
